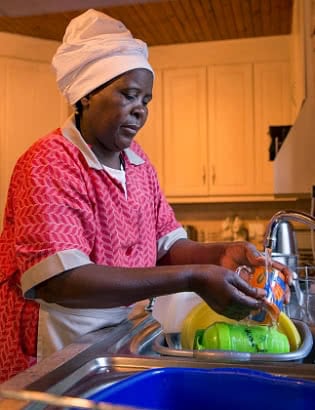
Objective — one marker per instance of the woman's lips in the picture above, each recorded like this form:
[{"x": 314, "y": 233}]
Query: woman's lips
[{"x": 131, "y": 128}]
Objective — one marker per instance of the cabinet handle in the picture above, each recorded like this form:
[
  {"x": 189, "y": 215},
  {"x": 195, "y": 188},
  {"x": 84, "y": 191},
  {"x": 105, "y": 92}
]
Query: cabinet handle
[
  {"x": 204, "y": 175},
  {"x": 213, "y": 175}
]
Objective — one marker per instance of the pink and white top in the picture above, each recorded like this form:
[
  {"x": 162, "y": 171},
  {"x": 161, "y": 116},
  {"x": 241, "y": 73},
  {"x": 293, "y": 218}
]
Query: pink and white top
[{"x": 65, "y": 210}]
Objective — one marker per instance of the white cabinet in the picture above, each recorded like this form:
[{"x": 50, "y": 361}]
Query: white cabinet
[
  {"x": 272, "y": 107},
  {"x": 217, "y": 102},
  {"x": 185, "y": 132},
  {"x": 230, "y": 130},
  {"x": 31, "y": 104},
  {"x": 216, "y": 121},
  {"x": 150, "y": 137},
  {"x": 207, "y": 132}
]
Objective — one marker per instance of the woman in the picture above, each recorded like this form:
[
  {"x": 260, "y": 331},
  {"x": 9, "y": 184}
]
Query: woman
[{"x": 87, "y": 230}]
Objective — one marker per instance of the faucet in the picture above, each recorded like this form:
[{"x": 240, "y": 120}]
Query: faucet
[
  {"x": 271, "y": 238},
  {"x": 272, "y": 227}
]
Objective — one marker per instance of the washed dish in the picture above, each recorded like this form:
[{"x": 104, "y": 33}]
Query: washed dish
[{"x": 286, "y": 326}]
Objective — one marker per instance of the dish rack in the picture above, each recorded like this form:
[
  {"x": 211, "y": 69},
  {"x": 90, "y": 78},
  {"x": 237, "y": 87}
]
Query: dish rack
[
  {"x": 169, "y": 344},
  {"x": 302, "y": 303}
]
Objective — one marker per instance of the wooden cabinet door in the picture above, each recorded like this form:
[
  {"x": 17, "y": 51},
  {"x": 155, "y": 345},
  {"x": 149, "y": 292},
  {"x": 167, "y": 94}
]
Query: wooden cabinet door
[
  {"x": 185, "y": 132},
  {"x": 31, "y": 106},
  {"x": 150, "y": 137},
  {"x": 231, "y": 150},
  {"x": 272, "y": 107}
]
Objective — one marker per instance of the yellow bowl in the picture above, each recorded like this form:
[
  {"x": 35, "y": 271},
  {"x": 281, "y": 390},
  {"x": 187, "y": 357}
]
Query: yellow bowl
[
  {"x": 202, "y": 316},
  {"x": 286, "y": 326}
]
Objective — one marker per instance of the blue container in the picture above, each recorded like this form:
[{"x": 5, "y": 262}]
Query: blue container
[{"x": 216, "y": 389}]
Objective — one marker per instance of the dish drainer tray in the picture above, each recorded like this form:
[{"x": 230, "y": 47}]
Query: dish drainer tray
[{"x": 169, "y": 345}]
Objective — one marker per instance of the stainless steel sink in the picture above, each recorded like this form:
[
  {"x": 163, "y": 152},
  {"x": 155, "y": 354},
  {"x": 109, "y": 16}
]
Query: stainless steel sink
[
  {"x": 112, "y": 355},
  {"x": 102, "y": 372}
]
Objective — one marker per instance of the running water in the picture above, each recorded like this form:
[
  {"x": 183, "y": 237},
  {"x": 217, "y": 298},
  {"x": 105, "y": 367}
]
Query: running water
[
  {"x": 270, "y": 279},
  {"x": 268, "y": 263}
]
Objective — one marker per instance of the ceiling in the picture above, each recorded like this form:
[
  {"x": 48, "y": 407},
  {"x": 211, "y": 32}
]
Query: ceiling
[{"x": 157, "y": 22}]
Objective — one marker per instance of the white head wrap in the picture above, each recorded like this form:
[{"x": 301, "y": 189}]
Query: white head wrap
[{"x": 95, "y": 49}]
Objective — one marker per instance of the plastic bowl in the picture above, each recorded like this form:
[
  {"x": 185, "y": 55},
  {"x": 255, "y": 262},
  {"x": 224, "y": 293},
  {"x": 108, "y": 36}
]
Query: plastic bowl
[{"x": 224, "y": 389}]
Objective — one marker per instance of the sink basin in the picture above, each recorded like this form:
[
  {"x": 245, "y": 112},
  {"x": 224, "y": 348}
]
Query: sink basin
[{"x": 102, "y": 372}]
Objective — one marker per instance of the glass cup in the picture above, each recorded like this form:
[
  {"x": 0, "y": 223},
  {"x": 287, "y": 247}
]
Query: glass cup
[
  {"x": 310, "y": 301},
  {"x": 303, "y": 308}
]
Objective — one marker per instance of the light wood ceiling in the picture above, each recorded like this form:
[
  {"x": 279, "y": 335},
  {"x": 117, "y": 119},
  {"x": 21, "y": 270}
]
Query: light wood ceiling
[{"x": 171, "y": 22}]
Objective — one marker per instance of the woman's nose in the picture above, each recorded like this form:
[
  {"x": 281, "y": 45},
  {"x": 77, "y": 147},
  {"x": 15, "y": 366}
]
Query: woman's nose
[{"x": 140, "y": 111}]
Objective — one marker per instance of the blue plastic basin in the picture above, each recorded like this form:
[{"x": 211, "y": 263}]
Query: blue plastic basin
[{"x": 215, "y": 389}]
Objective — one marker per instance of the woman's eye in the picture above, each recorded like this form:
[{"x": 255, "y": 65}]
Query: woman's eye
[
  {"x": 147, "y": 100},
  {"x": 133, "y": 97},
  {"x": 130, "y": 97}
]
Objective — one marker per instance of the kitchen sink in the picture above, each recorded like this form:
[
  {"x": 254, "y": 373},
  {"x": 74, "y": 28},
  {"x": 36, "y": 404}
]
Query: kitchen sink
[
  {"x": 119, "y": 353},
  {"x": 150, "y": 348},
  {"x": 102, "y": 372}
]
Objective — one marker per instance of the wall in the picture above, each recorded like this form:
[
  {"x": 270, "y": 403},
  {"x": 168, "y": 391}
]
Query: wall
[
  {"x": 294, "y": 166},
  {"x": 31, "y": 104},
  {"x": 260, "y": 49},
  {"x": 209, "y": 218}
]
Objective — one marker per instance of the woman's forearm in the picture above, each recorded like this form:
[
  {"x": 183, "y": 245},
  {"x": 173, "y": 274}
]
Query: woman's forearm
[
  {"x": 186, "y": 251},
  {"x": 206, "y": 269},
  {"x": 96, "y": 286}
]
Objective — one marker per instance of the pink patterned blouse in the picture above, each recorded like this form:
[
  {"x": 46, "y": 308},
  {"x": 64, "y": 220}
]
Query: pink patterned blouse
[{"x": 64, "y": 210}]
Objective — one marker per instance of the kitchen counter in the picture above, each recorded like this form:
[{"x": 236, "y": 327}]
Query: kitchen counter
[{"x": 113, "y": 345}]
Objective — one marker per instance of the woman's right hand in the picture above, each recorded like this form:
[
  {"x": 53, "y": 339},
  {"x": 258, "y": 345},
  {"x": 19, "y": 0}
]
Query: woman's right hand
[{"x": 226, "y": 292}]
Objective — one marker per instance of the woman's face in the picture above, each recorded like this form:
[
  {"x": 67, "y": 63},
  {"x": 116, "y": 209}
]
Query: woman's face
[{"x": 112, "y": 116}]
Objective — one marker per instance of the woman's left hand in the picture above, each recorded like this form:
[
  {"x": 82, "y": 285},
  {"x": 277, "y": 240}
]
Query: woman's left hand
[{"x": 235, "y": 254}]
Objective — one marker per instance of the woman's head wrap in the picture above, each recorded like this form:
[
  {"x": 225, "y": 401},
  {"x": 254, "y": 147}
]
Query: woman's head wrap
[{"x": 96, "y": 48}]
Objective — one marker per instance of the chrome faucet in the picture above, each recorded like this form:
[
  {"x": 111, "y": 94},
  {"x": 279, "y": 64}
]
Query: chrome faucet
[
  {"x": 273, "y": 225},
  {"x": 271, "y": 239}
]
